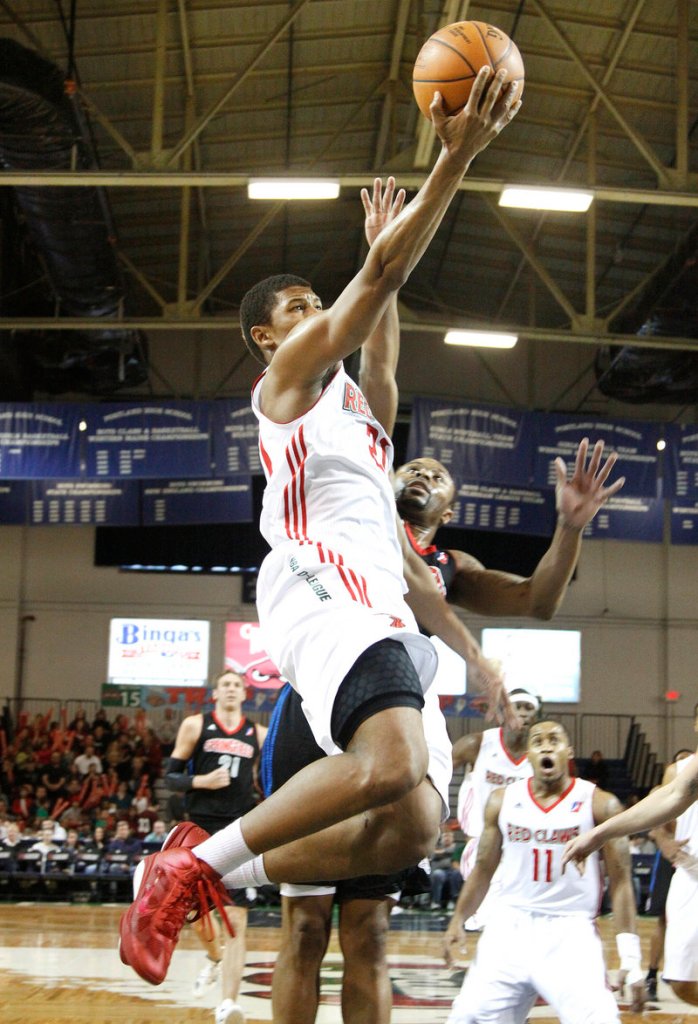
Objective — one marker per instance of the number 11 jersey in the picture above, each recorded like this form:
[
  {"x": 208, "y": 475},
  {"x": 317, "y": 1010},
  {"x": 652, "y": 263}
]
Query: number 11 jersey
[{"x": 533, "y": 839}]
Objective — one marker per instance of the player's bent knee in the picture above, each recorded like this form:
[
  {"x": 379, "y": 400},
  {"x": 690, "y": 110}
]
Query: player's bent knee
[
  {"x": 307, "y": 939},
  {"x": 686, "y": 991}
]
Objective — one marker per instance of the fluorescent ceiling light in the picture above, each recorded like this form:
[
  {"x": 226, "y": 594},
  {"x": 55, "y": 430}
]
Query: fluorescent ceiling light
[
  {"x": 483, "y": 339},
  {"x": 530, "y": 198},
  {"x": 292, "y": 188}
]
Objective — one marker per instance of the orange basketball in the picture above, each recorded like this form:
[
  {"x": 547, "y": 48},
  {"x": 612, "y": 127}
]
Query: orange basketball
[{"x": 450, "y": 60}]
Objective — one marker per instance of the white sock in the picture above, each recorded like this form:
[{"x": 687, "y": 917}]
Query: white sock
[
  {"x": 251, "y": 874},
  {"x": 226, "y": 850}
]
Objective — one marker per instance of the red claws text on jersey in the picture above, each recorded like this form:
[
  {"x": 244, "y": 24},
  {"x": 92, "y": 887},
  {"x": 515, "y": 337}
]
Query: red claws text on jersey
[
  {"x": 355, "y": 402},
  {"x": 545, "y": 836}
]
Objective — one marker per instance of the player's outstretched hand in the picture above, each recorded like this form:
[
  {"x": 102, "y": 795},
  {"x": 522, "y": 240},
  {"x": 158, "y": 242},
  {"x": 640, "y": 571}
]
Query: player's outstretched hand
[
  {"x": 577, "y": 850},
  {"x": 490, "y": 108},
  {"x": 487, "y": 677},
  {"x": 455, "y": 944},
  {"x": 381, "y": 207},
  {"x": 580, "y": 498}
]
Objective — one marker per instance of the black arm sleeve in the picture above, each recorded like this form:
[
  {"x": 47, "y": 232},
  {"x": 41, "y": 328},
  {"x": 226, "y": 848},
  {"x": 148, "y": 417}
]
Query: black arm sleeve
[{"x": 176, "y": 778}]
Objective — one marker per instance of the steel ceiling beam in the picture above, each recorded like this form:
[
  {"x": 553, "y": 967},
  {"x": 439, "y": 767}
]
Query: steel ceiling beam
[
  {"x": 225, "y": 179},
  {"x": 230, "y": 323},
  {"x": 240, "y": 77},
  {"x": 635, "y": 137},
  {"x": 392, "y": 83}
]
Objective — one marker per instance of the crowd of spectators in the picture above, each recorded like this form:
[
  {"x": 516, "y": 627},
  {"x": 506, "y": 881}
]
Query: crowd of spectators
[{"x": 77, "y": 797}]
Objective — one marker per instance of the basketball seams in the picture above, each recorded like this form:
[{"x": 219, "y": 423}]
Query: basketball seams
[
  {"x": 494, "y": 61},
  {"x": 448, "y": 46}
]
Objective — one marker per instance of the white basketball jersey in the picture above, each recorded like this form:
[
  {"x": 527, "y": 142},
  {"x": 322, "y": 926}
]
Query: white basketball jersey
[
  {"x": 328, "y": 478},
  {"x": 687, "y": 823},
  {"x": 533, "y": 839},
  {"x": 494, "y": 767}
]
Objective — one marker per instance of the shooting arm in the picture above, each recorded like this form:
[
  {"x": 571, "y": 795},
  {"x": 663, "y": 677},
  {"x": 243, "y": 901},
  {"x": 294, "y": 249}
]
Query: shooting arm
[{"x": 323, "y": 340}]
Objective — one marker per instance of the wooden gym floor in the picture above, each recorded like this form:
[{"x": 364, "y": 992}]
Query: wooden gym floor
[{"x": 58, "y": 963}]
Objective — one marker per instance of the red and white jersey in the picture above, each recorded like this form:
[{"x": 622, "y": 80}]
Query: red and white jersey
[
  {"x": 328, "y": 478},
  {"x": 687, "y": 823},
  {"x": 494, "y": 767},
  {"x": 533, "y": 840}
]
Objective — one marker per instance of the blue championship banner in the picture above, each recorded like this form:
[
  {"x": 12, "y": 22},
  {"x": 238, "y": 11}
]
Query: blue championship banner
[
  {"x": 235, "y": 434},
  {"x": 635, "y": 444},
  {"x": 681, "y": 461},
  {"x": 148, "y": 441},
  {"x": 474, "y": 442},
  {"x": 624, "y": 517},
  {"x": 684, "y": 522},
  {"x": 84, "y": 503},
  {"x": 38, "y": 441},
  {"x": 13, "y": 503},
  {"x": 198, "y": 501},
  {"x": 504, "y": 509}
]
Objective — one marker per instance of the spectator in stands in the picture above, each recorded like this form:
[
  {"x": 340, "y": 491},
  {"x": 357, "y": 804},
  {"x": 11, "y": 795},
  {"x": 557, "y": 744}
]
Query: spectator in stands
[
  {"x": 42, "y": 802},
  {"x": 123, "y": 799},
  {"x": 46, "y": 843},
  {"x": 24, "y": 803},
  {"x": 13, "y": 837},
  {"x": 42, "y": 753},
  {"x": 95, "y": 846},
  {"x": 54, "y": 776},
  {"x": 83, "y": 762},
  {"x": 597, "y": 770},
  {"x": 158, "y": 834},
  {"x": 123, "y": 845},
  {"x": 79, "y": 722},
  {"x": 7, "y": 778},
  {"x": 101, "y": 721},
  {"x": 100, "y": 740},
  {"x": 446, "y": 879}
]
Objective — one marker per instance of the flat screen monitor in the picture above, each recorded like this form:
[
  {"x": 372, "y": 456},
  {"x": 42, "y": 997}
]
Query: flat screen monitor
[
  {"x": 158, "y": 652},
  {"x": 546, "y": 662}
]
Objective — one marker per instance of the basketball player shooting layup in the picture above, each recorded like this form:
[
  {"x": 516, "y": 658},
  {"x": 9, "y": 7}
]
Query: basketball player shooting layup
[
  {"x": 541, "y": 937},
  {"x": 330, "y": 593}
]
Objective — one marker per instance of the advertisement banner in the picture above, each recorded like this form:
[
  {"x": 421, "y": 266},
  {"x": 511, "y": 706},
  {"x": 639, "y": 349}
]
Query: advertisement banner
[
  {"x": 475, "y": 443},
  {"x": 158, "y": 652},
  {"x": 235, "y": 434},
  {"x": 84, "y": 503},
  {"x": 148, "y": 441},
  {"x": 38, "y": 441},
  {"x": 13, "y": 502},
  {"x": 684, "y": 522},
  {"x": 198, "y": 501},
  {"x": 626, "y": 518},
  {"x": 681, "y": 460},
  {"x": 504, "y": 509},
  {"x": 635, "y": 444}
]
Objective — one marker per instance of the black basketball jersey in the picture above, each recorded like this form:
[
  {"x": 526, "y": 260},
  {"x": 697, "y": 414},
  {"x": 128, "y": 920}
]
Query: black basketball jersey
[
  {"x": 237, "y": 750},
  {"x": 442, "y": 564}
]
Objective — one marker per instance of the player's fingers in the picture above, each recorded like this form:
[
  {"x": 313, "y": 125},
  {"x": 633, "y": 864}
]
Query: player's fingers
[
  {"x": 437, "y": 112},
  {"x": 560, "y": 470},
  {"x": 478, "y": 89},
  {"x": 377, "y": 189},
  {"x": 399, "y": 201},
  {"x": 366, "y": 201},
  {"x": 595, "y": 460},
  {"x": 497, "y": 93},
  {"x": 388, "y": 194},
  {"x": 608, "y": 492},
  {"x": 581, "y": 457},
  {"x": 608, "y": 465}
]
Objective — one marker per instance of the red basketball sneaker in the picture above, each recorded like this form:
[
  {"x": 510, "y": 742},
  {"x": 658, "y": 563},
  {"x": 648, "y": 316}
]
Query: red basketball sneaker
[{"x": 173, "y": 883}]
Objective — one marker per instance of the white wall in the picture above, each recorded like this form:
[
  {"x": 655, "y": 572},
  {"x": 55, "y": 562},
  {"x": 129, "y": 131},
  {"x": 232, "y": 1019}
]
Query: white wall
[{"x": 635, "y": 605}]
